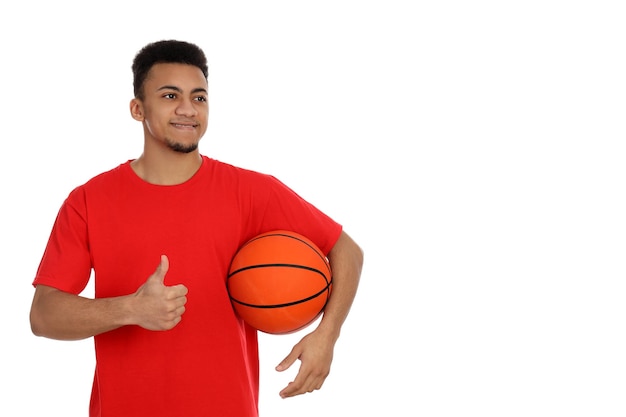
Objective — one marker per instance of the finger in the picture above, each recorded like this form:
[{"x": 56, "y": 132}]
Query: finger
[
  {"x": 302, "y": 385},
  {"x": 179, "y": 302},
  {"x": 161, "y": 270},
  {"x": 288, "y": 361},
  {"x": 294, "y": 388},
  {"x": 179, "y": 290},
  {"x": 287, "y": 391}
]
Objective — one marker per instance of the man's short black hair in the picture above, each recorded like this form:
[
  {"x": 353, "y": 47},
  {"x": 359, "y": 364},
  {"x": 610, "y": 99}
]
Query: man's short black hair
[{"x": 165, "y": 51}]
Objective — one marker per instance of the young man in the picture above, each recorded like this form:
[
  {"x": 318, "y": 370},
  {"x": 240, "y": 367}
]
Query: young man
[{"x": 159, "y": 233}]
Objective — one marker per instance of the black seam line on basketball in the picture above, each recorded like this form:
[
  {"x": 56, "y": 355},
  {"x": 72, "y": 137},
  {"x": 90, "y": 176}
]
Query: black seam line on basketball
[
  {"x": 291, "y": 237},
  {"x": 284, "y": 304},
  {"x": 308, "y": 268}
]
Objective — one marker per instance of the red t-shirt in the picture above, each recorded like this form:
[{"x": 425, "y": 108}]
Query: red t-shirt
[{"x": 118, "y": 226}]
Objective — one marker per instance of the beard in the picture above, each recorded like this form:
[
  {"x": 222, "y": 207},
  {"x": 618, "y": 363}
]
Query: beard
[{"x": 181, "y": 147}]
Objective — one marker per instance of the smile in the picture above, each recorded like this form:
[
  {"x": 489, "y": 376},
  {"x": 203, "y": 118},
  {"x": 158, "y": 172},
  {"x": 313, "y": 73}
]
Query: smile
[{"x": 184, "y": 126}]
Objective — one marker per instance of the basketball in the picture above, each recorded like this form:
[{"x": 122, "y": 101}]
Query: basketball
[{"x": 279, "y": 282}]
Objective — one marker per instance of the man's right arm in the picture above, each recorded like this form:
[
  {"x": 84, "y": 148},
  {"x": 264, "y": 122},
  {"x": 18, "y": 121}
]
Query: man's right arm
[{"x": 56, "y": 314}]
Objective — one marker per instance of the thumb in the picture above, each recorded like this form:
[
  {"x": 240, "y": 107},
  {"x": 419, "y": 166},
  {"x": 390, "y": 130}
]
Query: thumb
[{"x": 161, "y": 271}]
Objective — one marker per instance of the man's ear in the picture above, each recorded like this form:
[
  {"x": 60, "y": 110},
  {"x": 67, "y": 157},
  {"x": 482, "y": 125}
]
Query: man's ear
[{"x": 136, "y": 109}]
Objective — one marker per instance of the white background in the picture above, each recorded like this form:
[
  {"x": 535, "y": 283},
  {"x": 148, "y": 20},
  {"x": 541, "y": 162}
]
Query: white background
[{"x": 474, "y": 149}]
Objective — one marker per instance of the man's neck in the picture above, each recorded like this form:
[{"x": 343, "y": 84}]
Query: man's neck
[{"x": 168, "y": 168}]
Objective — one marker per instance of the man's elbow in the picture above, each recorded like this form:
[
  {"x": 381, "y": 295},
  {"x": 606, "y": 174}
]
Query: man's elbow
[
  {"x": 36, "y": 324},
  {"x": 37, "y": 315}
]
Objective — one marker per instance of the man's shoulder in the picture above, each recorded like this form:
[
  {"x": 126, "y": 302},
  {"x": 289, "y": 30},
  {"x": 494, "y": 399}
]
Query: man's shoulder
[
  {"x": 225, "y": 168},
  {"x": 103, "y": 180},
  {"x": 109, "y": 175}
]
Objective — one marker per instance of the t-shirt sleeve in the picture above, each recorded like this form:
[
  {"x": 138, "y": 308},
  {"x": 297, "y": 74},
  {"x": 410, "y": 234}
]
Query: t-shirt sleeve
[
  {"x": 289, "y": 211},
  {"x": 66, "y": 263}
]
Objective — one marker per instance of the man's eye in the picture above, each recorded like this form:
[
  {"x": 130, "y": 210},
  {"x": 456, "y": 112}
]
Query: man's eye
[
  {"x": 201, "y": 98},
  {"x": 170, "y": 95}
]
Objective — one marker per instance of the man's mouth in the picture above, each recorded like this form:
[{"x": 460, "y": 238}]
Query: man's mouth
[{"x": 185, "y": 125}]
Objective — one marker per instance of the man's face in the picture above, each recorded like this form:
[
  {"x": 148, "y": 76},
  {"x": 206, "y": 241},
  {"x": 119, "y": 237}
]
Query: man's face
[{"x": 175, "y": 107}]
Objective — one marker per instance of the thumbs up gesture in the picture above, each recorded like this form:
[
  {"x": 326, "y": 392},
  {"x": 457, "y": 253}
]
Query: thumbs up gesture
[{"x": 157, "y": 306}]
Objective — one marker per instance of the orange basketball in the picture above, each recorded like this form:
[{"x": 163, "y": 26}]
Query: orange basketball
[{"x": 279, "y": 282}]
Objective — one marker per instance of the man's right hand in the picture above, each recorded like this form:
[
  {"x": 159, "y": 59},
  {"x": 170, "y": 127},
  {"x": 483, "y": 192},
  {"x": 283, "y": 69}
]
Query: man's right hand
[{"x": 157, "y": 306}]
